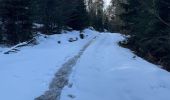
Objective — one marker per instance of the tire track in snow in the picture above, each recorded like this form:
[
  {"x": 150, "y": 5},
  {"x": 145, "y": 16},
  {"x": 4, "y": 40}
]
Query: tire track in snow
[{"x": 62, "y": 77}]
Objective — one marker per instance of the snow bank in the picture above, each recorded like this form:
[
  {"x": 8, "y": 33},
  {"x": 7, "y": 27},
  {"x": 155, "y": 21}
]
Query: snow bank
[
  {"x": 26, "y": 74},
  {"x": 107, "y": 71}
]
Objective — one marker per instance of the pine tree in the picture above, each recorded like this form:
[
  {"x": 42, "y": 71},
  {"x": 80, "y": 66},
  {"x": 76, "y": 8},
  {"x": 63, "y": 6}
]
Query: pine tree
[
  {"x": 162, "y": 41},
  {"x": 78, "y": 19},
  {"x": 16, "y": 21},
  {"x": 98, "y": 21},
  {"x": 147, "y": 22},
  {"x": 49, "y": 13},
  {"x": 96, "y": 14},
  {"x": 56, "y": 15},
  {"x": 1, "y": 37}
]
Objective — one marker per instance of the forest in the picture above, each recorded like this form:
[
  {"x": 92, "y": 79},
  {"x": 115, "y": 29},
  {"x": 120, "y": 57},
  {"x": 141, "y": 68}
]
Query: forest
[{"x": 145, "y": 23}]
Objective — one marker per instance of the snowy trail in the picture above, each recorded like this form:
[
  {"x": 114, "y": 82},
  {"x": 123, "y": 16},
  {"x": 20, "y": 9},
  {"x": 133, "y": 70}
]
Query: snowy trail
[
  {"x": 61, "y": 77},
  {"x": 106, "y": 71},
  {"x": 86, "y": 70},
  {"x": 27, "y": 74}
]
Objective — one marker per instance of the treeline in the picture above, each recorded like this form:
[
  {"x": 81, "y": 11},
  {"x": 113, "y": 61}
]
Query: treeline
[
  {"x": 20, "y": 20},
  {"x": 148, "y": 24},
  {"x": 102, "y": 18}
]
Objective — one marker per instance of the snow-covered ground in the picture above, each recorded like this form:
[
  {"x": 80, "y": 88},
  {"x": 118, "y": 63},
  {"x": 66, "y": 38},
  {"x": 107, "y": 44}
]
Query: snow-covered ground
[
  {"x": 2, "y": 48},
  {"x": 27, "y": 74},
  {"x": 107, "y": 71}
]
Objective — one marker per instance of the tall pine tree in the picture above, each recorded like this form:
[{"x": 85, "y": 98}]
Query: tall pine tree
[
  {"x": 49, "y": 13},
  {"x": 147, "y": 22},
  {"x": 16, "y": 20},
  {"x": 78, "y": 19}
]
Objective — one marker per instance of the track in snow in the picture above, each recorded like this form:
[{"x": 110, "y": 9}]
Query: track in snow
[
  {"x": 107, "y": 71},
  {"x": 62, "y": 77}
]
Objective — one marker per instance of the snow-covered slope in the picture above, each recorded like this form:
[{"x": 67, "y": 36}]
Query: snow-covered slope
[
  {"x": 104, "y": 70},
  {"x": 26, "y": 74},
  {"x": 107, "y": 71}
]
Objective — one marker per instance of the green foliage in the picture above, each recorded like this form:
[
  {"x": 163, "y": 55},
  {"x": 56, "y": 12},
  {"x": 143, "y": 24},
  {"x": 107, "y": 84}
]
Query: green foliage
[
  {"x": 18, "y": 16},
  {"x": 78, "y": 19},
  {"x": 96, "y": 14},
  {"x": 148, "y": 23},
  {"x": 16, "y": 21},
  {"x": 49, "y": 13},
  {"x": 56, "y": 15}
]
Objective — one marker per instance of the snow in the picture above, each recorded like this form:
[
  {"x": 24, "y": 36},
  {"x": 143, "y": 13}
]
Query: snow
[
  {"x": 27, "y": 74},
  {"x": 1, "y": 49},
  {"x": 107, "y": 71}
]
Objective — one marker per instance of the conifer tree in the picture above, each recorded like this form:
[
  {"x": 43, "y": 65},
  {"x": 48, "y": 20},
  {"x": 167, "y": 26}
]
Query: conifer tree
[
  {"x": 78, "y": 19},
  {"x": 49, "y": 13},
  {"x": 16, "y": 22},
  {"x": 96, "y": 14},
  {"x": 147, "y": 22}
]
